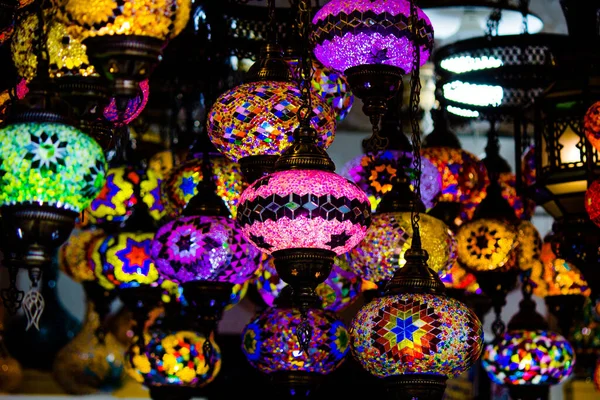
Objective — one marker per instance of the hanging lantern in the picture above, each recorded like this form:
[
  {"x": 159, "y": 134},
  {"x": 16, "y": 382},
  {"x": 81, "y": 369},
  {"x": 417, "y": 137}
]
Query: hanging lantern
[
  {"x": 370, "y": 42},
  {"x": 339, "y": 291},
  {"x": 122, "y": 42},
  {"x": 125, "y": 187},
  {"x": 592, "y": 202},
  {"x": 253, "y": 123},
  {"x": 180, "y": 186},
  {"x": 375, "y": 175},
  {"x": 270, "y": 343}
]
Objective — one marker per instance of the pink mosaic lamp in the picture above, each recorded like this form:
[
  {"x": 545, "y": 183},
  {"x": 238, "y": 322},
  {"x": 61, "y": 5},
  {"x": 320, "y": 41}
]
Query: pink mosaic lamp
[{"x": 371, "y": 42}]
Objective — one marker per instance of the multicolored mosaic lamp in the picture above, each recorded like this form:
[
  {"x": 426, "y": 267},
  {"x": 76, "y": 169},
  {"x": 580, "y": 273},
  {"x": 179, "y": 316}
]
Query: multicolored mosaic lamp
[
  {"x": 270, "y": 343},
  {"x": 180, "y": 185},
  {"x": 341, "y": 288},
  {"x": 253, "y": 123},
  {"x": 125, "y": 42},
  {"x": 528, "y": 358},
  {"x": 172, "y": 359},
  {"x": 591, "y": 125},
  {"x": 49, "y": 172},
  {"x": 371, "y": 43},
  {"x": 125, "y": 187},
  {"x": 375, "y": 175}
]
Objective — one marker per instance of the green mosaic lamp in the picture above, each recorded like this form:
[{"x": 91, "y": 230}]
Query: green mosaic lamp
[{"x": 49, "y": 173}]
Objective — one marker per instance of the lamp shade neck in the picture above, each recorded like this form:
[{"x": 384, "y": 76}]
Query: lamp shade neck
[
  {"x": 401, "y": 197},
  {"x": 441, "y": 136},
  {"x": 271, "y": 66},
  {"x": 304, "y": 153},
  {"x": 206, "y": 201}
]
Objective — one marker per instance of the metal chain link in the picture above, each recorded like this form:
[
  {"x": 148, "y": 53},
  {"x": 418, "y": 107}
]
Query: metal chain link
[
  {"x": 415, "y": 99},
  {"x": 271, "y": 28},
  {"x": 305, "y": 64}
]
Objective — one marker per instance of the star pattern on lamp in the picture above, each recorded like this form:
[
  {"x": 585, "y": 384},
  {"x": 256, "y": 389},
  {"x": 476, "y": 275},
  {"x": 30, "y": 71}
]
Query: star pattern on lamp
[
  {"x": 259, "y": 241},
  {"x": 407, "y": 331},
  {"x": 188, "y": 186},
  {"x": 46, "y": 152},
  {"x": 378, "y": 56},
  {"x": 338, "y": 240},
  {"x": 107, "y": 194},
  {"x": 136, "y": 257}
]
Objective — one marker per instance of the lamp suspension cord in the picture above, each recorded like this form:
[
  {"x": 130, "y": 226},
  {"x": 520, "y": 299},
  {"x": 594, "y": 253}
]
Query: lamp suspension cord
[
  {"x": 305, "y": 65},
  {"x": 415, "y": 98},
  {"x": 271, "y": 27}
]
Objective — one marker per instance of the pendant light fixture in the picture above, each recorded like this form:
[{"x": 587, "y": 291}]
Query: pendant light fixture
[
  {"x": 414, "y": 337},
  {"x": 369, "y": 42}
]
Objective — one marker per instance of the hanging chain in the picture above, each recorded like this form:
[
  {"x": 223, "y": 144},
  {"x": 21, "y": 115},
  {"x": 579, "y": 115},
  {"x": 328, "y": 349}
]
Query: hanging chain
[
  {"x": 305, "y": 65},
  {"x": 272, "y": 25},
  {"x": 498, "y": 326},
  {"x": 415, "y": 99}
]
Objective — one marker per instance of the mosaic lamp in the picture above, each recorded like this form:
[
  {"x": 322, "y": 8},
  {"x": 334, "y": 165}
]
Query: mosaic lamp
[
  {"x": 592, "y": 202},
  {"x": 414, "y": 337},
  {"x": 371, "y": 42},
  {"x": 172, "y": 362},
  {"x": 125, "y": 42},
  {"x": 49, "y": 172},
  {"x": 341, "y": 288},
  {"x": 253, "y": 123},
  {"x": 383, "y": 250},
  {"x": 271, "y": 345},
  {"x": 591, "y": 125},
  {"x": 528, "y": 358}
]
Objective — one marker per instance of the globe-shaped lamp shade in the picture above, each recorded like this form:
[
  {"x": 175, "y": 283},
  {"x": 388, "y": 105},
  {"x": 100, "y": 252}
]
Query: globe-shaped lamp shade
[
  {"x": 349, "y": 34},
  {"x": 134, "y": 107},
  {"x": 529, "y": 358},
  {"x": 508, "y": 186},
  {"x": 180, "y": 185},
  {"x": 463, "y": 175},
  {"x": 375, "y": 175},
  {"x": 49, "y": 163},
  {"x": 149, "y": 18},
  {"x": 553, "y": 276},
  {"x": 382, "y": 251},
  {"x": 258, "y": 119},
  {"x": 204, "y": 248},
  {"x": 592, "y": 202},
  {"x": 116, "y": 201},
  {"x": 331, "y": 86},
  {"x": 238, "y": 292},
  {"x": 73, "y": 255},
  {"x": 177, "y": 359},
  {"x": 304, "y": 209},
  {"x": 271, "y": 345},
  {"x": 123, "y": 260},
  {"x": 529, "y": 249},
  {"x": 340, "y": 289},
  {"x": 416, "y": 334},
  {"x": 591, "y": 125},
  {"x": 67, "y": 55},
  {"x": 487, "y": 245}
]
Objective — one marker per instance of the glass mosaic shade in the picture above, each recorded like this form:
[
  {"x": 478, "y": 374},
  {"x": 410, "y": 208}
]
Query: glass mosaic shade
[
  {"x": 381, "y": 253},
  {"x": 181, "y": 184},
  {"x": 49, "y": 163},
  {"x": 416, "y": 334},
  {"x": 180, "y": 358},
  {"x": 271, "y": 345},
  {"x": 591, "y": 125},
  {"x": 204, "y": 248},
  {"x": 340, "y": 289},
  {"x": 456, "y": 277},
  {"x": 123, "y": 260},
  {"x": 530, "y": 244},
  {"x": 67, "y": 55},
  {"x": 151, "y": 18},
  {"x": 115, "y": 202},
  {"x": 508, "y": 186},
  {"x": 553, "y": 276},
  {"x": 463, "y": 175},
  {"x": 529, "y": 358},
  {"x": 238, "y": 292},
  {"x": 331, "y": 86},
  {"x": 487, "y": 245},
  {"x": 304, "y": 209},
  {"x": 134, "y": 108},
  {"x": 375, "y": 175},
  {"x": 352, "y": 33},
  {"x": 592, "y": 202},
  {"x": 73, "y": 255},
  {"x": 258, "y": 119}
]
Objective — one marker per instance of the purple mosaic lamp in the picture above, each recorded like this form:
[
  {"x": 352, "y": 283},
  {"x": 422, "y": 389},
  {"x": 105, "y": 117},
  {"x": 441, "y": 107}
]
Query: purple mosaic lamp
[{"x": 371, "y": 42}]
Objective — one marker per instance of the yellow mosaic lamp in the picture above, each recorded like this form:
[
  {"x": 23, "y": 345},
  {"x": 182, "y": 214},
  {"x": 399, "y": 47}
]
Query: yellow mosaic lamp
[{"x": 124, "y": 39}]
